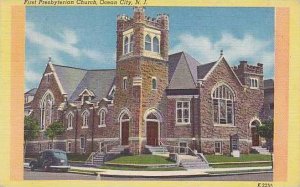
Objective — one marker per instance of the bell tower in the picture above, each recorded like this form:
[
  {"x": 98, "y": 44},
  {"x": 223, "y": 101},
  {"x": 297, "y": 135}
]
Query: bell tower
[{"x": 142, "y": 71}]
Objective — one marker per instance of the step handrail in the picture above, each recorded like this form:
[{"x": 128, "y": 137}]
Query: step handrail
[{"x": 91, "y": 157}]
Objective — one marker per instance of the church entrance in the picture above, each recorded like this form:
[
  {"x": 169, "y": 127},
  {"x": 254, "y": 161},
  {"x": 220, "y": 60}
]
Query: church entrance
[
  {"x": 125, "y": 133},
  {"x": 124, "y": 122},
  {"x": 152, "y": 133}
]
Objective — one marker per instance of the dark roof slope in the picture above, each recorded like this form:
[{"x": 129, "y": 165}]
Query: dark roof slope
[
  {"x": 31, "y": 92},
  {"x": 202, "y": 70},
  {"x": 75, "y": 80},
  {"x": 98, "y": 81},
  {"x": 269, "y": 83},
  {"x": 182, "y": 71}
]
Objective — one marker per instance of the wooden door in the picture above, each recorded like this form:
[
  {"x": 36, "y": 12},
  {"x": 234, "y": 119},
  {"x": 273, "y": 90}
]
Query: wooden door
[
  {"x": 125, "y": 133},
  {"x": 152, "y": 133},
  {"x": 255, "y": 136}
]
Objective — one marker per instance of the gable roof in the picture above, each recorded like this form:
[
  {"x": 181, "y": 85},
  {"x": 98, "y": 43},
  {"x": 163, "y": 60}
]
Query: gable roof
[
  {"x": 75, "y": 80},
  {"x": 203, "y": 70},
  {"x": 31, "y": 91},
  {"x": 182, "y": 71}
]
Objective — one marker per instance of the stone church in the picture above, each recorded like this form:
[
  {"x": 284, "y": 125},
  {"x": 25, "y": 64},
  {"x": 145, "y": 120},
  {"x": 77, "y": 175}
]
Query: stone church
[{"x": 152, "y": 98}]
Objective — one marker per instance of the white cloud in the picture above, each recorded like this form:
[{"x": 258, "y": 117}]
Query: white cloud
[
  {"x": 32, "y": 76},
  {"x": 65, "y": 44},
  {"x": 246, "y": 48}
]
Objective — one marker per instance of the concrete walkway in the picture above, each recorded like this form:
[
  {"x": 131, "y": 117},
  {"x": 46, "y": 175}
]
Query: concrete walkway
[{"x": 187, "y": 173}]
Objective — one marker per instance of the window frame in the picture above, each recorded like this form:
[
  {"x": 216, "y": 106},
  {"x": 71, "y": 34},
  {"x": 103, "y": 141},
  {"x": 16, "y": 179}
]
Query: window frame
[
  {"x": 154, "y": 44},
  {"x": 125, "y": 83},
  {"x": 223, "y": 94},
  {"x": 215, "y": 147},
  {"x": 82, "y": 143},
  {"x": 182, "y": 112},
  {"x": 148, "y": 43},
  {"x": 68, "y": 146},
  {"x": 69, "y": 127},
  {"x": 50, "y": 146},
  {"x": 126, "y": 45},
  {"x": 85, "y": 119},
  {"x": 46, "y": 103},
  {"x": 131, "y": 43},
  {"x": 101, "y": 116},
  {"x": 152, "y": 79},
  {"x": 254, "y": 83}
]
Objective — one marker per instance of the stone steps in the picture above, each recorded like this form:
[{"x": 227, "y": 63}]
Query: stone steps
[
  {"x": 192, "y": 162},
  {"x": 261, "y": 150},
  {"x": 157, "y": 150}
]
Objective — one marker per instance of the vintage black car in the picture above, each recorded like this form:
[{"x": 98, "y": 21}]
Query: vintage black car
[{"x": 52, "y": 159}]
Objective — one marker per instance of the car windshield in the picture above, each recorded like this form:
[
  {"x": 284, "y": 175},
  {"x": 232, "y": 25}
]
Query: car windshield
[{"x": 60, "y": 155}]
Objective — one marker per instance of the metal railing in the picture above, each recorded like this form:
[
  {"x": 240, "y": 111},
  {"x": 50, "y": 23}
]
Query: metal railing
[{"x": 183, "y": 150}]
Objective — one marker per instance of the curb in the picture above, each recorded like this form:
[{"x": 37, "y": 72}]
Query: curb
[
  {"x": 146, "y": 176},
  {"x": 241, "y": 173}
]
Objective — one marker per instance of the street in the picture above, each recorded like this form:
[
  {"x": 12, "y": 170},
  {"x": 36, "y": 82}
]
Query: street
[{"x": 37, "y": 175}]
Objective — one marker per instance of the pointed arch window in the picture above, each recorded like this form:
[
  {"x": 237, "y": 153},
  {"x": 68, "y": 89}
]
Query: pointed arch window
[
  {"x": 102, "y": 117},
  {"x": 46, "y": 106},
  {"x": 223, "y": 105},
  {"x": 155, "y": 45},
  {"x": 126, "y": 45},
  {"x": 148, "y": 43},
  {"x": 85, "y": 119},
  {"x": 131, "y": 43},
  {"x": 70, "y": 118}
]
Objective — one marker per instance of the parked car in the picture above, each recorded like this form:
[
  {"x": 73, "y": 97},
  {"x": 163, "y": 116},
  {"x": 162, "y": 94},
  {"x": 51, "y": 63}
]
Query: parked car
[{"x": 48, "y": 160}]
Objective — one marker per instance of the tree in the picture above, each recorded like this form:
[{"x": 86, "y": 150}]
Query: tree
[
  {"x": 31, "y": 130},
  {"x": 54, "y": 130},
  {"x": 266, "y": 130}
]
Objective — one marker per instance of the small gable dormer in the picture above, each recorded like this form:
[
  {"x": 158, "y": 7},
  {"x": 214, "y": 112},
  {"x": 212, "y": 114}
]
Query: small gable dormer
[{"x": 86, "y": 95}]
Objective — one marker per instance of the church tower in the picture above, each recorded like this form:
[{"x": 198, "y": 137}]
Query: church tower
[{"x": 141, "y": 77}]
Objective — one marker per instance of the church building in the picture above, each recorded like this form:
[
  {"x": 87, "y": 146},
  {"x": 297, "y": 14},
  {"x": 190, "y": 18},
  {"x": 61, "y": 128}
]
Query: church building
[{"x": 152, "y": 98}]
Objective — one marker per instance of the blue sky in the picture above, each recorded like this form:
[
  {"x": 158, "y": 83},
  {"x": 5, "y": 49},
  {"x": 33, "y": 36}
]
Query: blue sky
[{"x": 86, "y": 36}]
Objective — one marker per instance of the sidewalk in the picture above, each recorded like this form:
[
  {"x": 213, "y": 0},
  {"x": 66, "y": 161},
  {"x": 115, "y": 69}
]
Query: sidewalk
[{"x": 145, "y": 174}]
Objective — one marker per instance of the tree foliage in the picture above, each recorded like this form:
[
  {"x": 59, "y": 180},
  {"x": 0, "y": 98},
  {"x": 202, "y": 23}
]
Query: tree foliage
[
  {"x": 54, "y": 130},
  {"x": 266, "y": 130},
  {"x": 31, "y": 128}
]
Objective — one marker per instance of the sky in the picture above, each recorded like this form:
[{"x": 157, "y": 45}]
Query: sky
[{"x": 85, "y": 37}]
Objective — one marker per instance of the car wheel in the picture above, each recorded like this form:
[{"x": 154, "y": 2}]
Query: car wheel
[{"x": 31, "y": 167}]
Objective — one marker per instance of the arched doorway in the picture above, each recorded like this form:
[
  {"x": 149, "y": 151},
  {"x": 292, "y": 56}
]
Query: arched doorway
[
  {"x": 124, "y": 128},
  {"x": 152, "y": 119},
  {"x": 254, "y": 133}
]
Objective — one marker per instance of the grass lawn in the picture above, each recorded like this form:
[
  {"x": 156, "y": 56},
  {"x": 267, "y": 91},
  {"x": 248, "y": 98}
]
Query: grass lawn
[
  {"x": 242, "y": 158},
  {"x": 142, "y": 159},
  {"x": 142, "y": 169},
  {"x": 77, "y": 157}
]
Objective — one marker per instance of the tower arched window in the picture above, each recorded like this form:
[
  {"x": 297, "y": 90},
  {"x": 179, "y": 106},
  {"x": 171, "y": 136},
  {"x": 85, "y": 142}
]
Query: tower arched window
[
  {"x": 126, "y": 45},
  {"x": 46, "y": 106},
  {"x": 155, "y": 44},
  {"x": 223, "y": 98},
  {"x": 131, "y": 44},
  {"x": 148, "y": 43},
  {"x": 102, "y": 117}
]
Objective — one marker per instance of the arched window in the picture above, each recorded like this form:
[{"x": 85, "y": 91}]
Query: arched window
[
  {"x": 131, "y": 44},
  {"x": 223, "y": 105},
  {"x": 46, "y": 106},
  {"x": 154, "y": 83},
  {"x": 85, "y": 119},
  {"x": 126, "y": 45},
  {"x": 155, "y": 44},
  {"x": 70, "y": 121},
  {"x": 148, "y": 43},
  {"x": 102, "y": 117}
]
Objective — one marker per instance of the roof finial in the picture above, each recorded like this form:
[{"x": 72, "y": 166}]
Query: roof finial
[
  {"x": 221, "y": 52},
  {"x": 49, "y": 59}
]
